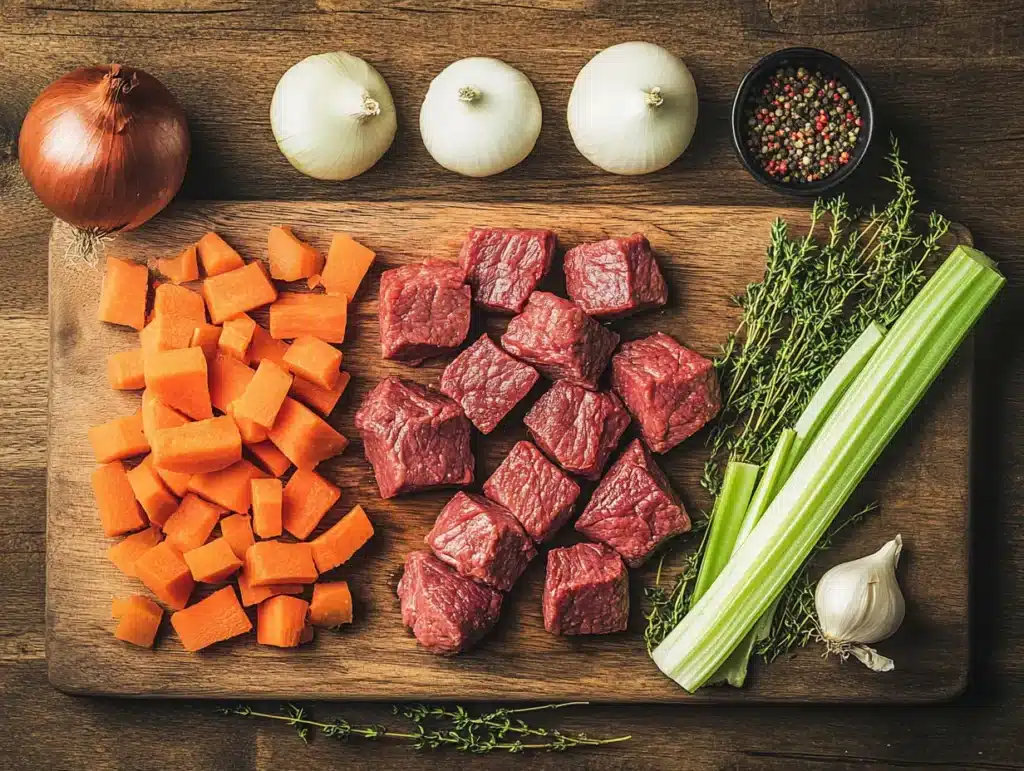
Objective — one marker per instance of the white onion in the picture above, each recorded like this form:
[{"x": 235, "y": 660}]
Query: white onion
[
  {"x": 333, "y": 116},
  {"x": 633, "y": 108},
  {"x": 480, "y": 117}
]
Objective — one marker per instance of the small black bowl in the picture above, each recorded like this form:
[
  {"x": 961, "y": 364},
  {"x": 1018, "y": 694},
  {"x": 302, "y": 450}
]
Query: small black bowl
[{"x": 812, "y": 59}]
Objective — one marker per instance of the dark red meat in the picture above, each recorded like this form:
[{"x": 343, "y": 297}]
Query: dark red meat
[
  {"x": 577, "y": 427},
  {"x": 414, "y": 437},
  {"x": 481, "y": 540},
  {"x": 614, "y": 277},
  {"x": 447, "y": 612},
  {"x": 634, "y": 508},
  {"x": 538, "y": 493},
  {"x": 504, "y": 265},
  {"x": 560, "y": 340},
  {"x": 670, "y": 390},
  {"x": 487, "y": 382},
  {"x": 586, "y": 591},
  {"x": 424, "y": 310}
]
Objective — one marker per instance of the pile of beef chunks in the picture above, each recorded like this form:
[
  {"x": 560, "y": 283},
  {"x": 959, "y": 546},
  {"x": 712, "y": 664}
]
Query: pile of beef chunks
[{"x": 418, "y": 438}]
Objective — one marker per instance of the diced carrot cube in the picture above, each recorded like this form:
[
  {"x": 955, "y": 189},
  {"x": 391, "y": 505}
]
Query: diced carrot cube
[
  {"x": 342, "y": 540},
  {"x": 316, "y": 361},
  {"x": 270, "y": 458},
  {"x": 156, "y": 415},
  {"x": 197, "y": 448},
  {"x": 124, "y": 370},
  {"x": 118, "y": 439},
  {"x": 253, "y": 595},
  {"x": 281, "y": 620},
  {"x": 347, "y": 263},
  {"x": 207, "y": 337},
  {"x": 123, "y": 296},
  {"x": 164, "y": 572},
  {"x": 156, "y": 500},
  {"x": 306, "y": 498},
  {"x": 176, "y": 482},
  {"x": 290, "y": 258},
  {"x": 180, "y": 269},
  {"x": 303, "y": 437},
  {"x": 267, "y": 501},
  {"x": 179, "y": 379},
  {"x": 321, "y": 400},
  {"x": 165, "y": 333},
  {"x": 216, "y": 256},
  {"x": 320, "y": 315},
  {"x": 263, "y": 397},
  {"x": 264, "y": 346},
  {"x": 119, "y": 512},
  {"x": 190, "y": 525},
  {"x": 124, "y": 553},
  {"x": 251, "y": 431},
  {"x": 228, "y": 487},
  {"x": 179, "y": 301},
  {"x": 331, "y": 605},
  {"x": 237, "y": 291},
  {"x": 228, "y": 379},
  {"x": 237, "y": 529},
  {"x": 236, "y": 336},
  {"x": 212, "y": 562},
  {"x": 121, "y": 605},
  {"x": 214, "y": 619},
  {"x": 307, "y": 634},
  {"x": 138, "y": 621},
  {"x": 276, "y": 562},
  {"x": 313, "y": 282}
]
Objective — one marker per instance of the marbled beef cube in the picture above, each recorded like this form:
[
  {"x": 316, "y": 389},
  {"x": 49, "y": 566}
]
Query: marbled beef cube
[
  {"x": 576, "y": 427},
  {"x": 634, "y": 509},
  {"x": 558, "y": 338},
  {"x": 586, "y": 591},
  {"x": 670, "y": 390},
  {"x": 414, "y": 437},
  {"x": 615, "y": 277},
  {"x": 504, "y": 265},
  {"x": 487, "y": 382},
  {"x": 538, "y": 493},
  {"x": 424, "y": 310},
  {"x": 481, "y": 540},
  {"x": 447, "y": 612}
]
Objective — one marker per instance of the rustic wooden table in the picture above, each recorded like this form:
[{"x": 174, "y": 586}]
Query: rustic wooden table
[{"x": 947, "y": 78}]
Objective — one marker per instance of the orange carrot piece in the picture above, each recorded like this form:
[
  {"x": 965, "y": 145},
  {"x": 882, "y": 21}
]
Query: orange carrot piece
[
  {"x": 237, "y": 529},
  {"x": 201, "y": 447},
  {"x": 303, "y": 437},
  {"x": 267, "y": 501},
  {"x": 165, "y": 333},
  {"x": 179, "y": 301},
  {"x": 236, "y": 336},
  {"x": 217, "y": 256},
  {"x": 156, "y": 500},
  {"x": 296, "y": 314},
  {"x": 270, "y": 458},
  {"x": 211, "y": 563},
  {"x": 214, "y": 619},
  {"x": 347, "y": 264},
  {"x": 118, "y": 439},
  {"x": 164, "y": 572},
  {"x": 123, "y": 296},
  {"x": 190, "y": 525},
  {"x": 179, "y": 379},
  {"x": 313, "y": 282},
  {"x": 290, "y": 258},
  {"x": 251, "y": 431},
  {"x": 305, "y": 500},
  {"x": 124, "y": 553},
  {"x": 254, "y": 595},
  {"x": 316, "y": 361},
  {"x": 280, "y": 621},
  {"x": 263, "y": 346},
  {"x": 344, "y": 539},
  {"x": 207, "y": 337},
  {"x": 331, "y": 605},
  {"x": 321, "y": 400},
  {"x": 156, "y": 415},
  {"x": 276, "y": 562},
  {"x": 228, "y": 379},
  {"x": 176, "y": 482},
  {"x": 263, "y": 397},
  {"x": 307, "y": 634},
  {"x": 119, "y": 512},
  {"x": 228, "y": 487},
  {"x": 180, "y": 269},
  {"x": 237, "y": 291},
  {"x": 124, "y": 370},
  {"x": 138, "y": 620}
]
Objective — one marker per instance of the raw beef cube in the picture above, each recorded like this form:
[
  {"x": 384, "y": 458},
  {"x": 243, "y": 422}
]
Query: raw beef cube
[
  {"x": 560, "y": 340},
  {"x": 424, "y": 310},
  {"x": 538, "y": 493},
  {"x": 487, "y": 382},
  {"x": 634, "y": 508},
  {"x": 504, "y": 265},
  {"x": 414, "y": 437},
  {"x": 577, "y": 427},
  {"x": 586, "y": 591},
  {"x": 481, "y": 540},
  {"x": 670, "y": 390},
  {"x": 614, "y": 277},
  {"x": 447, "y": 612}
]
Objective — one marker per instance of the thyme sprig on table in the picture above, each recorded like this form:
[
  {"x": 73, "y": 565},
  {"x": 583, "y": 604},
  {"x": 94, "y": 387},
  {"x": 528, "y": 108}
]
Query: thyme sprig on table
[{"x": 436, "y": 726}]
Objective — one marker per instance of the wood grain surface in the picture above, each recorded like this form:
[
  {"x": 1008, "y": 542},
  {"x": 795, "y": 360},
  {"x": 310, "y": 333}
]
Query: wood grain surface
[
  {"x": 946, "y": 77},
  {"x": 707, "y": 254}
]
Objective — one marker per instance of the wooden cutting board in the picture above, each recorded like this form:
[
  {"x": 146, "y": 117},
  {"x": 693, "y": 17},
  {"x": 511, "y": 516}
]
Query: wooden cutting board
[{"x": 707, "y": 255}]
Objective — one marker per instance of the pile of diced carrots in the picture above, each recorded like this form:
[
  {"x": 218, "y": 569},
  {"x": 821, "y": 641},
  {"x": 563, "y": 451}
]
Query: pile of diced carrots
[{"x": 223, "y": 487}]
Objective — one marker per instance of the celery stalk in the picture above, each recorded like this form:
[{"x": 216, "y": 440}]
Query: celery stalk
[
  {"x": 895, "y": 378},
  {"x": 726, "y": 519},
  {"x": 772, "y": 479}
]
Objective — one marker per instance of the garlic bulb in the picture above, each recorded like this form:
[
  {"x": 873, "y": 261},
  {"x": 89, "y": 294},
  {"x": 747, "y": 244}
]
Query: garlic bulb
[
  {"x": 333, "y": 116},
  {"x": 633, "y": 108},
  {"x": 859, "y": 603},
  {"x": 480, "y": 117}
]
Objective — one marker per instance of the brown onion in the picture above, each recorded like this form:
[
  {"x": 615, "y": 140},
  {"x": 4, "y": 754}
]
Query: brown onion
[{"x": 105, "y": 148}]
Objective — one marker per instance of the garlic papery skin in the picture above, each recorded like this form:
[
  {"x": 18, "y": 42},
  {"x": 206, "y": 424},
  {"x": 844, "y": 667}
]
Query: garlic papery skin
[
  {"x": 480, "y": 117},
  {"x": 633, "y": 108},
  {"x": 859, "y": 603},
  {"x": 333, "y": 116}
]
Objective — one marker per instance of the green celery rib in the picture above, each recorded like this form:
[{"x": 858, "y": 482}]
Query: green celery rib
[
  {"x": 771, "y": 480},
  {"x": 726, "y": 520},
  {"x": 899, "y": 372}
]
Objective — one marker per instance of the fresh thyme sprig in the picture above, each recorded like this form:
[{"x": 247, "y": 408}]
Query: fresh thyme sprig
[{"x": 436, "y": 726}]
